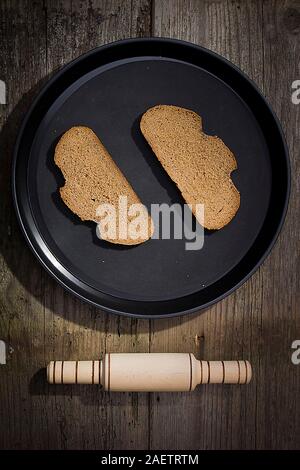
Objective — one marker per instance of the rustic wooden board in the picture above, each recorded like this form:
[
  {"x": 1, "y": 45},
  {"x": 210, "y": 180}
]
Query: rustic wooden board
[{"x": 39, "y": 320}]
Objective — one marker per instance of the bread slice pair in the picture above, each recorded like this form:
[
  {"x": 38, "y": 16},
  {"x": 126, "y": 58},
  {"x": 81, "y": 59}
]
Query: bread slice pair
[{"x": 200, "y": 165}]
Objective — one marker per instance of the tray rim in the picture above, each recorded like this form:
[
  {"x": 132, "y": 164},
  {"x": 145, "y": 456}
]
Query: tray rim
[{"x": 39, "y": 253}]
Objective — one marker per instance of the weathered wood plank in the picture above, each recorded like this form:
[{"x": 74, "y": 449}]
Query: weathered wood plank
[
  {"x": 92, "y": 332},
  {"x": 38, "y": 318},
  {"x": 259, "y": 321},
  {"x": 281, "y": 299},
  {"x": 22, "y": 68}
]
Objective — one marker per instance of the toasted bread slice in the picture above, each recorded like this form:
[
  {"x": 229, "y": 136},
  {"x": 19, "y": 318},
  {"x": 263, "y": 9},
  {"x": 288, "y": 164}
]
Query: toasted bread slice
[
  {"x": 93, "y": 179},
  {"x": 199, "y": 164}
]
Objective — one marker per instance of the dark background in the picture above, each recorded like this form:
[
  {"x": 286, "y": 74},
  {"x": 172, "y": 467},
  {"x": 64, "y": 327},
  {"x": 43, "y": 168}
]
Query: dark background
[{"x": 40, "y": 321}]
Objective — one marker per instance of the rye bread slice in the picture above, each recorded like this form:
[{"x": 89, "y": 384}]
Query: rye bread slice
[
  {"x": 199, "y": 164},
  {"x": 92, "y": 178}
]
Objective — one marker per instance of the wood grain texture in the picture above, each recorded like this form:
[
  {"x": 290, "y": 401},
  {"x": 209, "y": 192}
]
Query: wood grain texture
[
  {"x": 40, "y": 321},
  {"x": 38, "y": 318},
  {"x": 260, "y": 320}
]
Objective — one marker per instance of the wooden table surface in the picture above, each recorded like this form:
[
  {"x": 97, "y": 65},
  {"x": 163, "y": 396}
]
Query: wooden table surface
[{"x": 39, "y": 321}]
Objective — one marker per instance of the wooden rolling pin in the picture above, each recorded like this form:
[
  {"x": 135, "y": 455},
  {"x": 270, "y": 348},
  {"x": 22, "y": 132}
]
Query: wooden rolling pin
[{"x": 149, "y": 372}]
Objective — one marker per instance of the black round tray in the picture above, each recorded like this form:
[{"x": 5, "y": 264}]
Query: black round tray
[{"x": 108, "y": 89}]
